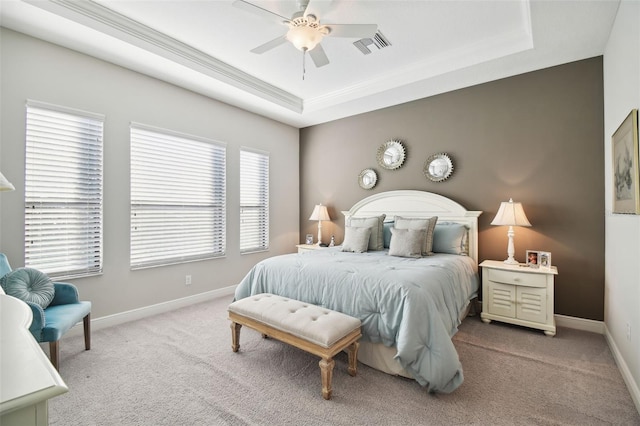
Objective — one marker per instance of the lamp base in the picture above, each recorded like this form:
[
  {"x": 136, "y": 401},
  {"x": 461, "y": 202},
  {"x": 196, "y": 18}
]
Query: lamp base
[{"x": 511, "y": 261}]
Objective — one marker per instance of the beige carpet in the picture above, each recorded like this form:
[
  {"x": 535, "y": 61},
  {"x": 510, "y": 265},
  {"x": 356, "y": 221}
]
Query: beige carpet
[{"x": 178, "y": 369}]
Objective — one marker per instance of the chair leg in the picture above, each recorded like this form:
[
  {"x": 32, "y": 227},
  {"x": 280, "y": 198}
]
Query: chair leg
[
  {"x": 54, "y": 353},
  {"x": 87, "y": 331}
]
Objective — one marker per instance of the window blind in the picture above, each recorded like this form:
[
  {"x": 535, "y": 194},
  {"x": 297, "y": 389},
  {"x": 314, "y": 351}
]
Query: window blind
[
  {"x": 63, "y": 191},
  {"x": 178, "y": 184},
  {"x": 254, "y": 200}
]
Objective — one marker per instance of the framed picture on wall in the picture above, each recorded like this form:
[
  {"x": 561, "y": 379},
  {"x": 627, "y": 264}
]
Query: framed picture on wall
[{"x": 626, "y": 189}]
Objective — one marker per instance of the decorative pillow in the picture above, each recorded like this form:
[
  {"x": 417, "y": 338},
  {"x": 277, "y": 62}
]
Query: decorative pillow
[
  {"x": 407, "y": 242},
  {"x": 376, "y": 223},
  {"x": 29, "y": 285},
  {"x": 386, "y": 233},
  {"x": 451, "y": 237},
  {"x": 356, "y": 239},
  {"x": 428, "y": 223}
]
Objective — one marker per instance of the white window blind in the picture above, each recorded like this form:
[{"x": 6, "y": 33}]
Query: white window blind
[
  {"x": 254, "y": 200},
  {"x": 178, "y": 184},
  {"x": 63, "y": 191}
]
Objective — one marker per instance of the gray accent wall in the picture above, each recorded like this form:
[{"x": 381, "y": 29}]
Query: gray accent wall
[
  {"x": 536, "y": 138},
  {"x": 34, "y": 69}
]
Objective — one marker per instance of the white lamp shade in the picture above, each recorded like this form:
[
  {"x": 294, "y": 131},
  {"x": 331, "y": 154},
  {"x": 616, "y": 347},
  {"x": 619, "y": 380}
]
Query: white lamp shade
[
  {"x": 320, "y": 213},
  {"x": 5, "y": 185},
  {"x": 304, "y": 38},
  {"x": 511, "y": 214}
]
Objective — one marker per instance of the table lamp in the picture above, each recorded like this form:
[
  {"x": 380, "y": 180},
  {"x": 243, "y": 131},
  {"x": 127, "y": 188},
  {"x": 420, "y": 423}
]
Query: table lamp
[
  {"x": 510, "y": 214},
  {"x": 320, "y": 213}
]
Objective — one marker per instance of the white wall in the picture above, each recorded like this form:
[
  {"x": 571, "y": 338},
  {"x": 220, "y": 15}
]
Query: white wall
[
  {"x": 622, "y": 241},
  {"x": 34, "y": 69}
]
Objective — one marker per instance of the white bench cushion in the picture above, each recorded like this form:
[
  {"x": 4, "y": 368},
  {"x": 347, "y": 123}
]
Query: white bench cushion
[{"x": 318, "y": 325}]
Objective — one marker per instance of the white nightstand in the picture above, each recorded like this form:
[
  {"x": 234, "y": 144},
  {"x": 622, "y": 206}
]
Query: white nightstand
[
  {"x": 518, "y": 295},
  {"x": 308, "y": 247}
]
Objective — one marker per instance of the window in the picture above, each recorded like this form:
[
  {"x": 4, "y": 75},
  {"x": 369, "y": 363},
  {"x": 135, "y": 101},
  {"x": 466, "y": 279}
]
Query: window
[
  {"x": 63, "y": 191},
  {"x": 178, "y": 184},
  {"x": 254, "y": 200}
]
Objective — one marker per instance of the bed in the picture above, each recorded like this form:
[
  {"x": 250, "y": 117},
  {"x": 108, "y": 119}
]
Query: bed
[{"x": 410, "y": 304}]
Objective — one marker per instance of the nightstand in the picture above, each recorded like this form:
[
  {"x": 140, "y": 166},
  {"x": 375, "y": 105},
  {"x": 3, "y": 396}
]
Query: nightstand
[
  {"x": 518, "y": 295},
  {"x": 308, "y": 247}
]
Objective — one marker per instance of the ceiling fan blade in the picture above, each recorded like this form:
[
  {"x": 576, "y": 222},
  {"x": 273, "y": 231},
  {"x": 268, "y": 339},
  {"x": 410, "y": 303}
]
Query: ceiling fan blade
[
  {"x": 319, "y": 57},
  {"x": 257, "y": 10},
  {"x": 269, "y": 45},
  {"x": 352, "y": 30}
]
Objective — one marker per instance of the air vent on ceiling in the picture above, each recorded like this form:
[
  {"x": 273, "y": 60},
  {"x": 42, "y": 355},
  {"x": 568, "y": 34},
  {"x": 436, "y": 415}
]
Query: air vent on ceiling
[{"x": 378, "y": 40}]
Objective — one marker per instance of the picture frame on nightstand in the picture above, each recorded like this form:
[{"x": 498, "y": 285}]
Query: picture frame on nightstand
[
  {"x": 532, "y": 258},
  {"x": 309, "y": 239},
  {"x": 544, "y": 260}
]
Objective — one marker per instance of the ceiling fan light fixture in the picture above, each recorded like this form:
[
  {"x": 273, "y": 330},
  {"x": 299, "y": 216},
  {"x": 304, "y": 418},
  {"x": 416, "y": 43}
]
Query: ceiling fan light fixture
[{"x": 304, "y": 38}]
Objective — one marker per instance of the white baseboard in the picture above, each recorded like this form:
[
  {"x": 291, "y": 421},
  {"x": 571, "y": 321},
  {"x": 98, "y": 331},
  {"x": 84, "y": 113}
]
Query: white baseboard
[
  {"x": 624, "y": 369},
  {"x": 580, "y": 324},
  {"x": 147, "y": 311}
]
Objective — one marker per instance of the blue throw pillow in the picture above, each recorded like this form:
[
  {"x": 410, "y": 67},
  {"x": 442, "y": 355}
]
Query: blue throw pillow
[{"x": 29, "y": 285}]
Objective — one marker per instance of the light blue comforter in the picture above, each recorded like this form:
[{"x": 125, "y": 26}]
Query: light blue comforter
[{"x": 412, "y": 304}]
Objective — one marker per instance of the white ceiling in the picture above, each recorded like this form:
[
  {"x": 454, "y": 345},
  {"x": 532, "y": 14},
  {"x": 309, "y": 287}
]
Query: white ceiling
[{"x": 436, "y": 46}]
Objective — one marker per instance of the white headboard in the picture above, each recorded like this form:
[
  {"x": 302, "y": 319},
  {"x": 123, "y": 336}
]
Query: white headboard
[{"x": 410, "y": 203}]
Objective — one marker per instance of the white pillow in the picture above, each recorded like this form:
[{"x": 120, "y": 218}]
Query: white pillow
[
  {"x": 426, "y": 223},
  {"x": 376, "y": 223},
  {"x": 406, "y": 242},
  {"x": 356, "y": 239}
]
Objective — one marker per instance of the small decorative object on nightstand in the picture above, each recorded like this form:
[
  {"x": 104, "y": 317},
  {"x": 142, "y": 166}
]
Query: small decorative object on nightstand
[{"x": 518, "y": 295}]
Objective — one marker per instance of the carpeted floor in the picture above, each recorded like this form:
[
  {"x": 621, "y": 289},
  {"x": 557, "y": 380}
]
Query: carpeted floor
[{"x": 178, "y": 369}]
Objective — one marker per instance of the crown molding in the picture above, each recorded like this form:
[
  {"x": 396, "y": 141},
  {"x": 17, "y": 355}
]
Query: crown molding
[{"x": 107, "y": 21}]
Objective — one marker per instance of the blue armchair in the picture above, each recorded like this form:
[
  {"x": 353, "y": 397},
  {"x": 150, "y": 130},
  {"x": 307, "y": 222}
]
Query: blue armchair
[{"x": 64, "y": 311}]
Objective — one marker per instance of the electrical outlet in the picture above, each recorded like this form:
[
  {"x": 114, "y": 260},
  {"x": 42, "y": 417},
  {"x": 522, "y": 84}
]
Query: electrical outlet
[
  {"x": 187, "y": 280},
  {"x": 628, "y": 332}
]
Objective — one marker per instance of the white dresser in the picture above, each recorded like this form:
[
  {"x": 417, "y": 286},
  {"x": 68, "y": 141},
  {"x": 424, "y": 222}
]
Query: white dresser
[
  {"x": 518, "y": 295},
  {"x": 28, "y": 378}
]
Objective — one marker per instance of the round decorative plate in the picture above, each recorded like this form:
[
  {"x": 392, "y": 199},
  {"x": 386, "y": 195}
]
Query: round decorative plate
[
  {"x": 438, "y": 167},
  {"x": 367, "y": 178},
  {"x": 391, "y": 155}
]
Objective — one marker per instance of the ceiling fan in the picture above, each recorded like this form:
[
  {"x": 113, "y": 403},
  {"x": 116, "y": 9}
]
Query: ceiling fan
[{"x": 305, "y": 31}]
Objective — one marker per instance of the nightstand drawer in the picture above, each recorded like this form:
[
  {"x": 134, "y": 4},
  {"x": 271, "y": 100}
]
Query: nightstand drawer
[{"x": 517, "y": 278}]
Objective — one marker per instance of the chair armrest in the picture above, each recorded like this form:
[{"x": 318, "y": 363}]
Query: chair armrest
[
  {"x": 38, "y": 322},
  {"x": 64, "y": 293}
]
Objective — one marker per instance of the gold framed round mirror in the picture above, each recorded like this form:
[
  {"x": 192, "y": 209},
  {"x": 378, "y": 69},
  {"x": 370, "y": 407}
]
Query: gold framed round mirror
[
  {"x": 391, "y": 155},
  {"x": 367, "y": 179},
  {"x": 438, "y": 167}
]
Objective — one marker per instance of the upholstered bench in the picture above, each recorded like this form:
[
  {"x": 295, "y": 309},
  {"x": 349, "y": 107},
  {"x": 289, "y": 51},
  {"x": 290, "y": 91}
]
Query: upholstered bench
[{"x": 313, "y": 329}]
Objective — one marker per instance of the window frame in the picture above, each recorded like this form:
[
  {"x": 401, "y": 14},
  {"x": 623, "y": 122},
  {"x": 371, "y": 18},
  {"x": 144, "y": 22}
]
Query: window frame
[
  {"x": 64, "y": 190},
  {"x": 259, "y": 202},
  {"x": 188, "y": 204}
]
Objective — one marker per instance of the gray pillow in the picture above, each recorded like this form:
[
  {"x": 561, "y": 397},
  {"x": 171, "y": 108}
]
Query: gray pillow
[
  {"x": 29, "y": 285},
  {"x": 452, "y": 238},
  {"x": 406, "y": 242},
  {"x": 356, "y": 239},
  {"x": 426, "y": 223},
  {"x": 376, "y": 223}
]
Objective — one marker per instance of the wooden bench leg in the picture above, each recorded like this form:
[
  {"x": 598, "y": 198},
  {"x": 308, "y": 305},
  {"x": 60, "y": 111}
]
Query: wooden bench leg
[
  {"x": 54, "y": 353},
  {"x": 86, "y": 321},
  {"x": 352, "y": 351},
  {"x": 326, "y": 371},
  {"x": 235, "y": 336}
]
